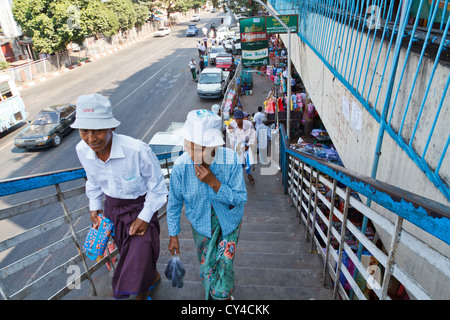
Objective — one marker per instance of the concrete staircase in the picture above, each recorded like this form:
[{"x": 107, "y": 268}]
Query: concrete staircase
[{"x": 272, "y": 261}]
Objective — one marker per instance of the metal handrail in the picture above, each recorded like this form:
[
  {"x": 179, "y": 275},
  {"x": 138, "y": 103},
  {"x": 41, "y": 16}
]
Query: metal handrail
[
  {"x": 21, "y": 185},
  {"x": 303, "y": 178}
]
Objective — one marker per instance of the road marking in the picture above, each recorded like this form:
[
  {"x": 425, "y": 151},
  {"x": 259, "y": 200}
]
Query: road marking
[
  {"x": 154, "y": 75},
  {"x": 161, "y": 113}
]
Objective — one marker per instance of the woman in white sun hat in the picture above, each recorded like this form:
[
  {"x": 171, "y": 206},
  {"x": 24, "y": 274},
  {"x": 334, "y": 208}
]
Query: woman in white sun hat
[
  {"x": 209, "y": 181},
  {"x": 128, "y": 173}
]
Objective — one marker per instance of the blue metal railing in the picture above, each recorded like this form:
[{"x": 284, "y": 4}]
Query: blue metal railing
[
  {"x": 12, "y": 285},
  {"x": 390, "y": 59},
  {"x": 305, "y": 177}
]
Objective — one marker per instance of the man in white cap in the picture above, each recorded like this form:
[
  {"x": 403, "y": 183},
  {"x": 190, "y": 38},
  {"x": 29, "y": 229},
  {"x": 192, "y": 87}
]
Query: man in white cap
[
  {"x": 208, "y": 180},
  {"x": 128, "y": 173}
]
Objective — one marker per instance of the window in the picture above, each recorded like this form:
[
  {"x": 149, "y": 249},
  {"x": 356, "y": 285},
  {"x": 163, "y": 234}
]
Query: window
[
  {"x": 5, "y": 91},
  {"x": 67, "y": 111}
]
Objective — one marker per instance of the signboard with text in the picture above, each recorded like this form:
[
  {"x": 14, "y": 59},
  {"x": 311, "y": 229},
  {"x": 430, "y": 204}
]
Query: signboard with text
[
  {"x": 254, "y": 42},
  {"x": 273, "y": 26}
]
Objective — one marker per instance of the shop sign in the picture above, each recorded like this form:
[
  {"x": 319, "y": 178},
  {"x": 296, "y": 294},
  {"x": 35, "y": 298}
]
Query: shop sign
[
  {"x": 291, "y": 20},
  {"x": 254, "y": 43}
]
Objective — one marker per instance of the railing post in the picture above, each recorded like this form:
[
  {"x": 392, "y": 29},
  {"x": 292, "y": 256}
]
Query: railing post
[
  {"x": 74, "y": 237},
  {"x": 391, "y": 257},
  {"x": 299, "y": 188},
  {"x": 330, "y": 221},
  {"x": 341, "y": 242},
  {"x": 313, "y": 221},
  {"x": 311, "y": 175}
]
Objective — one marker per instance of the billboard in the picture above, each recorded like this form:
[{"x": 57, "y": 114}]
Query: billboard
[
  {"x": 254, "y": 42},
  {"x": 273, "y": 26}
]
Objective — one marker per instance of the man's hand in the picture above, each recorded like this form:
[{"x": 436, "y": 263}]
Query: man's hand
[
  {"x": 138, "y": 227},
  {"x": 174, "y": 246},
  {"x": 94, "y": 219}
]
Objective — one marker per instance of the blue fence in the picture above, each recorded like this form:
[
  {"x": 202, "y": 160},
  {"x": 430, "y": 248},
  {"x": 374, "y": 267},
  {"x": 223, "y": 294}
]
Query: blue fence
[{"x": 394, "y": 61}]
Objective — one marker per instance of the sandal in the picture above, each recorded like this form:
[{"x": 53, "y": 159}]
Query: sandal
[
  {"x": 251, "y": 179},
  {"x": 150, "y": 290}
]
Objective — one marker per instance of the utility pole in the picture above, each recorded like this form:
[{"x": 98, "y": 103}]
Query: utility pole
[{"x": 288, "y": 84}]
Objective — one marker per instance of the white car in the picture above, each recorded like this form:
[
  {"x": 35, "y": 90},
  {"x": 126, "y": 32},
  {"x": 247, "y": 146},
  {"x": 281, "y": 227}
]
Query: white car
[
  {"x": 223, "y": 32},
  {"x": 213, "y": 52},
  {"x": 168, "y": 146},
  {"x": 228, "y": 44},
  {"x": 162, "y": 32},
  {"x": 195, "y": 18}
]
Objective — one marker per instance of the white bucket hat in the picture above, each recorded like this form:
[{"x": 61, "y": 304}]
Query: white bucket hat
[
  {"x": 202, "y": 127},
  {"x": 94, "y": 112}
]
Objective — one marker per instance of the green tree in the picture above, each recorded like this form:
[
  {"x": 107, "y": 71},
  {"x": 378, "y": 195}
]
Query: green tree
[
  {"x": 98, "y": 19},
  {"x": 142, "y": 13},
  {"x": 124, "y": 11},
  {"x": 46, "y": 22},
  {"x": 53, "y": 24}
]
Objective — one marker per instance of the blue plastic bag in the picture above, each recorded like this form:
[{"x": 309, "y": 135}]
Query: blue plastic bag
[{"x": 175, "y": 271}]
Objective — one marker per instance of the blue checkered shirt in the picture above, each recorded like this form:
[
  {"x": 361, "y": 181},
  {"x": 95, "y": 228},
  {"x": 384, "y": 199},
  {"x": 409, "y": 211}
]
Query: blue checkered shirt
[{"x": 198, "y": 197}]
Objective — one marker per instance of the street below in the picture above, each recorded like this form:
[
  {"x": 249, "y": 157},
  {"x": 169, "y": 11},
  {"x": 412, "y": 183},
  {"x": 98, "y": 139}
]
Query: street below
[{"x": 149, "y": 86}]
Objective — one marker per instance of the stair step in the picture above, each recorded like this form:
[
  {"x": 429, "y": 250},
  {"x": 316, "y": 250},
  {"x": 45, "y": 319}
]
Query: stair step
[{"x": 250, "y": 259}]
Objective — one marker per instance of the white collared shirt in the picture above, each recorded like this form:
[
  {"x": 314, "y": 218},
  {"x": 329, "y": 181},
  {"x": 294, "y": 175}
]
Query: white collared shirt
[{"x": 131, "y": 171}]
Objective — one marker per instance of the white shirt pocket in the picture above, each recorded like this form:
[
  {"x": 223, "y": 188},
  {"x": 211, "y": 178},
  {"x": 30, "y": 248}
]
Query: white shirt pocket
[{"x": 132, "y": 185}]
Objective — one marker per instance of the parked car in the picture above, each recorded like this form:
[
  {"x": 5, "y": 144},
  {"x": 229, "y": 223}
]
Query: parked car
[
  {"x": 162, "y": 32},
  {"x": 213, "y": 10},
  {"x": 214, "y": 51},
  {"x": 223, "y": 32},
  {"x": 228, "y": 44},
  {"x": 225, "y": 61},
  {"x": 47, "y": 128},
  {"x": 192, "y": 30},
  {"x": 195, "y": 18},
  {"x": 167, "y": 141},
  {"x": 212, "y": 83}
]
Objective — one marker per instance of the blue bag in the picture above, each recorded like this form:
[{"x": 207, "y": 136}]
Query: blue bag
[{"x": 97, "y": 238}]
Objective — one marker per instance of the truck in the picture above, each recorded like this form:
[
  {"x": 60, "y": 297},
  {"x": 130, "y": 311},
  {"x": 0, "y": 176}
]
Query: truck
[
  {"x": 213, "y": 83},
  {"x": 12, "y": 107}
]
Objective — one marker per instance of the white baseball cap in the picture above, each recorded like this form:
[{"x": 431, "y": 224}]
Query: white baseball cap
[
  {"x": 94, "y": 112},
  {"x": 202, "y": 127}
]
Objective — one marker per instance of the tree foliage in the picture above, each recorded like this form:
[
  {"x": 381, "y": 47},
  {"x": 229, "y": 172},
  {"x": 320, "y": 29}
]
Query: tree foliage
[{"x": 55, "y": 23}]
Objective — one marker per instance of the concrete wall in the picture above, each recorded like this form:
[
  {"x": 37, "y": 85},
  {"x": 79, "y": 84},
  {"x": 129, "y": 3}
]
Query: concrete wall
[{"x": 357, "y": 147}]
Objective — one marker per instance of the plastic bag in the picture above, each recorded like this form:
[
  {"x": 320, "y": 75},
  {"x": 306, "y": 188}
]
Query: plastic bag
[{"x": 175, "y": 271}]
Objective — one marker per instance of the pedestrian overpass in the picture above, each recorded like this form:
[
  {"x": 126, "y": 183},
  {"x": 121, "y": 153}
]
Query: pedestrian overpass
[{"x": 380, "y": 86}]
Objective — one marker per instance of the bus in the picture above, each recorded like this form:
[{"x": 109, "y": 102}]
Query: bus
[{"x": 12, "y": 108}]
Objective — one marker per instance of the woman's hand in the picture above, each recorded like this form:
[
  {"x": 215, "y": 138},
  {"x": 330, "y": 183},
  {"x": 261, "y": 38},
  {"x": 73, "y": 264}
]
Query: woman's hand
[
  {"x": 138, "y": 227},
  {"x": 205, "y": 175},
  {"x": 174, "y": 246}
]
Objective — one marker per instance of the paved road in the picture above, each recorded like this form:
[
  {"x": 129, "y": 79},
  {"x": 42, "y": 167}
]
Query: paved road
[{"x": 149, "y": 86}]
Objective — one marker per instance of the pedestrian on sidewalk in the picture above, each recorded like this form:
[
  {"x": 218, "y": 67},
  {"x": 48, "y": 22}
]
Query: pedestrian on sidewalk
[
  {"x": 242, "y": 136},
  {"x": 264, "y": 135},
  {"x": 192, "y": 68},
  {"x": 128, "y": 173},
  {"x": 205, "y": 41},
  {"x": 201, "y": 63},
  {"x": 258, "y": 117},
  {"x": 208, "y": 180},
  {"x": 200, "y": 49}
]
